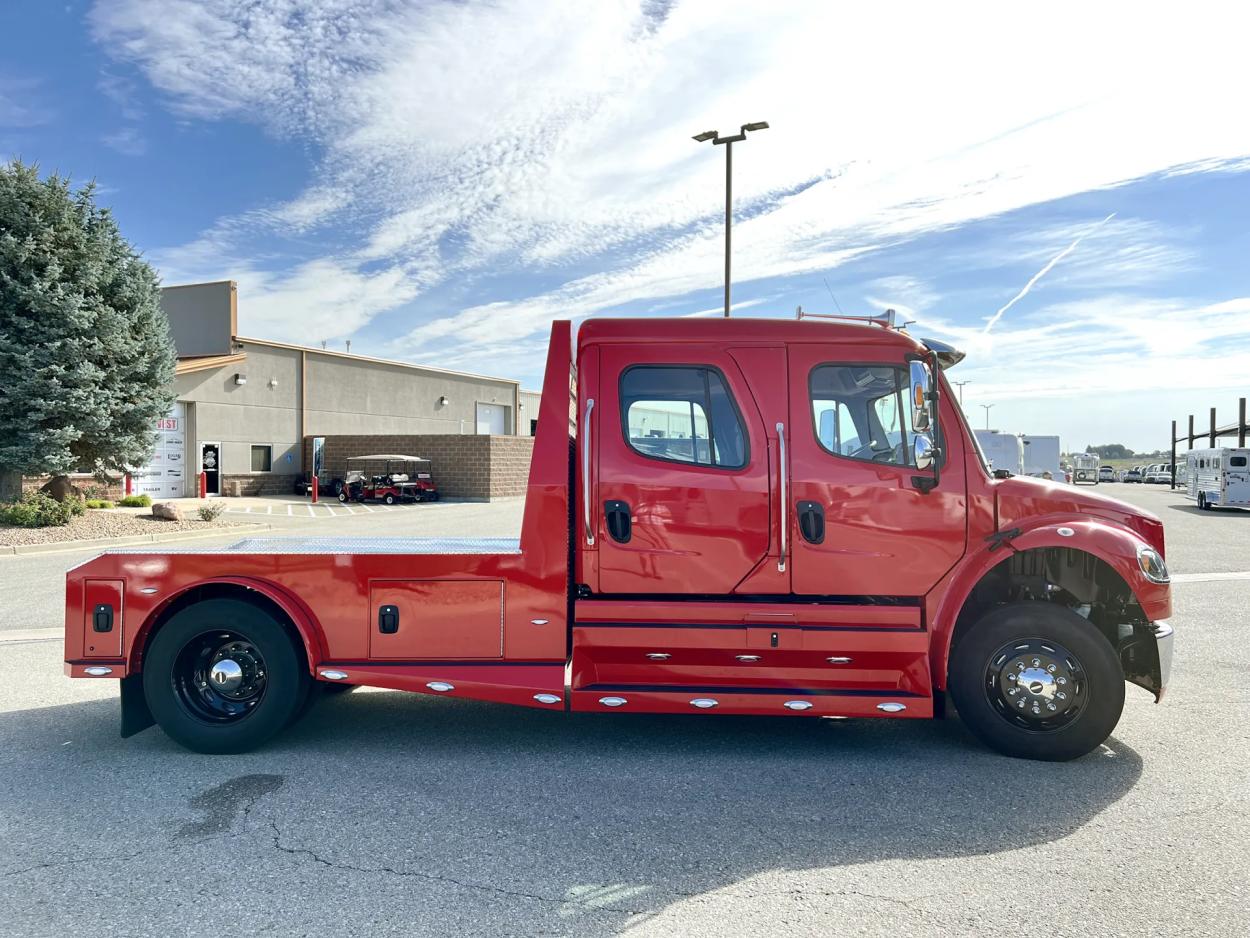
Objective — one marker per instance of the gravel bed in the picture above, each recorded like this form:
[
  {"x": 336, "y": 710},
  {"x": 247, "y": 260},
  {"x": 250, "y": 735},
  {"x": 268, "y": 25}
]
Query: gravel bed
[{"x": 105, "y": 523}]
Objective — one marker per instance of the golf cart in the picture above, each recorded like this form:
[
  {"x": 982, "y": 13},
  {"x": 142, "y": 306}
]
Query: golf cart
[{"x": 389, "y": 479}]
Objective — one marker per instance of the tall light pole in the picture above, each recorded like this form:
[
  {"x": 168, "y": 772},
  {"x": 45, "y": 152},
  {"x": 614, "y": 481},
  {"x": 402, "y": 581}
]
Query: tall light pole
[
  {"x": 987, "y": 414},
  {"x": 961, "y": 390},
  {"x": 729, "y": 142}
]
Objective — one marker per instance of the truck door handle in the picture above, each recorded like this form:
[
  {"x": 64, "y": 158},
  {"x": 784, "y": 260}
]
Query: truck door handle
[
  {"x": 812, "y": 521},
  {"x": 388, "y": 619},
  {"x": 102, "y": 618},
  {"x": 617, "y": 516}
]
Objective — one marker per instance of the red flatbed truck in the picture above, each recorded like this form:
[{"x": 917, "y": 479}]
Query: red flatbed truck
[{"x": 750, "y": 516}]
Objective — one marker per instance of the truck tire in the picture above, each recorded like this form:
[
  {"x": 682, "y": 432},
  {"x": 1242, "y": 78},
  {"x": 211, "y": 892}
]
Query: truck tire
[
  {"x": 1034, "y": 680},
  {"x": 223, "y": 676}
]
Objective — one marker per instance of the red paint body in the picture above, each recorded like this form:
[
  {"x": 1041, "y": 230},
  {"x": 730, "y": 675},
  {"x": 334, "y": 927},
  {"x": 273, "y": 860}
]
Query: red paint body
[{"x": 697, "y": 604}]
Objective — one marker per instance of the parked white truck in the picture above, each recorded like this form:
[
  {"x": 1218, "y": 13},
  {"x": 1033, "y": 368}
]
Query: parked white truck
[
  {"x": 1219, "y": 477},
  {"x": 1003, "y": 450},
  {"x": 1041, "y": 456}
]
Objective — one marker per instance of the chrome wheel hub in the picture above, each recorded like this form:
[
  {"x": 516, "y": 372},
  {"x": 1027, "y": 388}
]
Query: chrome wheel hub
[
  {"x": 1036, "y": 684},
  {"x": 226, "y": 675}
]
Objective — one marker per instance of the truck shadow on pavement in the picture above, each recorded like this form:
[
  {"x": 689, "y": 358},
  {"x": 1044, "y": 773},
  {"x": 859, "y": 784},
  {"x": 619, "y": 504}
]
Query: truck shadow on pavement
[{"x": 458, "y": 813}]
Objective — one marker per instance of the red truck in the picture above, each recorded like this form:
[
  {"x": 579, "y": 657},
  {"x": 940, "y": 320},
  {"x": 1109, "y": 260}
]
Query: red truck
[{"x": 751, "y": 516}]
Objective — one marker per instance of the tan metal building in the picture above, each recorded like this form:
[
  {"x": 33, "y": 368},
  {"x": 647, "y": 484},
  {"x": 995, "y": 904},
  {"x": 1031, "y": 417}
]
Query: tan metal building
[{"x": 245, "y": 405}]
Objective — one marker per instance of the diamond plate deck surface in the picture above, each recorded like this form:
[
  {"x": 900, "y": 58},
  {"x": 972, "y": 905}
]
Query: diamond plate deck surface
[{"x": 350, "y": 545}]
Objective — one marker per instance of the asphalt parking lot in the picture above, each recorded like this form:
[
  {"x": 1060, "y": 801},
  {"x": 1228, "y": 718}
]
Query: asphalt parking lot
[{"x": 392, "y": 814}]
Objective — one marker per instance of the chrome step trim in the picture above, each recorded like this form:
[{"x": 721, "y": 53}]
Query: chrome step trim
[
  {"x": 97, "y": 671},
  {"x": 658, "y": 655},
  {"x": 613, "y": 701},
  {"x": 747, "y": 659},
  {"x": 798, "y": 705},
  {"x": 440, "y": 686},
  {"x": 892, "y": 707},
  {"x": 547, "y": 698},
  {"x": 839, "y": 660},
  {"x": 704, "y": 703},
  {"x": 332, "y": 675}
]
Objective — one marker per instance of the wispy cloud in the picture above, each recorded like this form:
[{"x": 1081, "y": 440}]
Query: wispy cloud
[
  {"x": 127, "y": 141},
  {"x": 1024, "y": 291},
  {"x": 550, "y": 138},
  {"x": 21, "y": 103}
]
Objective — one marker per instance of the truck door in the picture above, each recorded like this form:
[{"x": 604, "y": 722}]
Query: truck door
[
  {"x": 682, "y": 471},
  {"x": 860, "y": 522}
]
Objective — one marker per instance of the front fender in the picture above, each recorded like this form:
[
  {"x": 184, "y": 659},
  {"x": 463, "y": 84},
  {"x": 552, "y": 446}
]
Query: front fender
[{"x": 1114, "y": 545}]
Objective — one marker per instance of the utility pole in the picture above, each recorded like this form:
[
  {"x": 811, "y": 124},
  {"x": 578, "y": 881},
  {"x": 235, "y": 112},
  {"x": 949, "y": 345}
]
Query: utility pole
[
  {"x": 987, "y": 414},
  {"x": 961, "y": 389},
  {"x": 729, "y": 142}
]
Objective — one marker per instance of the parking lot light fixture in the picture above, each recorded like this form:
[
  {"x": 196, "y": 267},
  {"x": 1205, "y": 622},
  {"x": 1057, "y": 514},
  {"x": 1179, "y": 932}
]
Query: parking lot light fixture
[{"x": 729, "y": 142}]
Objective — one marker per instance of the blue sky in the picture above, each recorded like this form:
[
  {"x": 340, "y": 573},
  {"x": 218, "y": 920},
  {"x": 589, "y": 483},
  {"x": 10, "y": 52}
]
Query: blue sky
[{"x": 437, "y": 181}]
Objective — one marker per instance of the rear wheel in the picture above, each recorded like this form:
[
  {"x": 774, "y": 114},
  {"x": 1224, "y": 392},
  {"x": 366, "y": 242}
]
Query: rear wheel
[
  {"x": 223, "y": 676},
  {"x": 389, "y": 499},
  {"x": 1036, "y": 681}
]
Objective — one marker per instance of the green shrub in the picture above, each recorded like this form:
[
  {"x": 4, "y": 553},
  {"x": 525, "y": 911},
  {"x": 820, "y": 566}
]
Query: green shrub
[
  {"x": 99, "y": 503},
  {"x": 135, "y": 501},
  {"x": 36, "y": 510},
  {"x": 76, "y": 506},
  {"x": 211, "y": 511}
]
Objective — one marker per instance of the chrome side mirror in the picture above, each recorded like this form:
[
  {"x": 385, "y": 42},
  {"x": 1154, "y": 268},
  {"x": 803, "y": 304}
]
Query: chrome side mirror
[
  {"x": 924, "y": 450},
  {"x": 919, "y": 379}
]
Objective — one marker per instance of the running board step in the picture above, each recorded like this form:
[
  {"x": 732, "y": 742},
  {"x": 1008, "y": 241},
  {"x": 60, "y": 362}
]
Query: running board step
[{"x": 774, "y": 701}]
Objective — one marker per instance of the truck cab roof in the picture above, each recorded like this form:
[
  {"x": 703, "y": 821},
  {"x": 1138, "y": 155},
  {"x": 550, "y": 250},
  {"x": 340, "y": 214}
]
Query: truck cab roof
[{"x": 745, "y": 330}]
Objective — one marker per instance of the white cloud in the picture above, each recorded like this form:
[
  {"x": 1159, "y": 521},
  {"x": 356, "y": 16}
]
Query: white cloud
[
  {"x": 552, "y": 136},
  {"x": 126, "y": 140}
]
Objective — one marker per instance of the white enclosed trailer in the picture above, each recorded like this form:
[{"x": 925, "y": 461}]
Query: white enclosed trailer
[
  {"x": 1041, "y": 456},
  {"x": 1219, "y": 477},
  {"x": 1003, "y": 450},
  {"x": 1085, "y": 468}
]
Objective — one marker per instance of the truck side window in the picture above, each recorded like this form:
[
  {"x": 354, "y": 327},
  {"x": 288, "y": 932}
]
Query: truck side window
[
  {"x": 860, "y": 412},
  {"x": 682, "y": 413},
  {"x": 1237, "y": 462}
]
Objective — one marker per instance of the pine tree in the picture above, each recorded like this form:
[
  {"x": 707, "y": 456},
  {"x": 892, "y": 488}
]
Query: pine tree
[{"x": 86, "y": 360}]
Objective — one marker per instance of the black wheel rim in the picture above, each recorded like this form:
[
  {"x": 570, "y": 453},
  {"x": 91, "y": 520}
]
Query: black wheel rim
[
  {"x": 219, "y": 677},
  {"x": 1037, "y": 685}
]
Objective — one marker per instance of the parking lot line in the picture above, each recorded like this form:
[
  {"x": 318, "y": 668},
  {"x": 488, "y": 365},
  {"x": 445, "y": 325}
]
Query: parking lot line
[
  {"x": 350, "y": 510},
  {"x": 1208, "y": 577},
  {"x": 269, "y": 509},
  {"x": 288, "y": 510},
  {"x": 331, "y": 511}
]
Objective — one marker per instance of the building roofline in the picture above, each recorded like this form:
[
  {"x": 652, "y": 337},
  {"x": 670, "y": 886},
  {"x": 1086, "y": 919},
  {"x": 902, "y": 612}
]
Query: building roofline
[
  {"x": 377, "y": 361},
  {"x": 186, "y": 366},
  {"x": 206, "y": 283}
]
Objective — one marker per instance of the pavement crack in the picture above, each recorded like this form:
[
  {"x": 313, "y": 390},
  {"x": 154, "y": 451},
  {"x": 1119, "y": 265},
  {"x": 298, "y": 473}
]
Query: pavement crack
[
  {"x": 435, "y": 878},
  {"x": 73, "y": 861}
]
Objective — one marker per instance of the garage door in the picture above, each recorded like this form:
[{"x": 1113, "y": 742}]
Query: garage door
[
  {"x": 492, "y": 419},
  {"x": 164, "y": 476}
]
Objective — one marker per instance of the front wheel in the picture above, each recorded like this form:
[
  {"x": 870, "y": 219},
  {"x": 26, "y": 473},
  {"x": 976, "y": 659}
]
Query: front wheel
[
  {"x": 223, "y": 676},
  {"x": 389, "y": 499},
  {"x": 1037, "y": 681}
]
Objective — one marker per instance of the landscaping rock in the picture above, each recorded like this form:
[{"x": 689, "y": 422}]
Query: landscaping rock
[{"x": 167, "y": 511}]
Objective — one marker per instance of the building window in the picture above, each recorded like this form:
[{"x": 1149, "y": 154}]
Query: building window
[{"x": 262, "y": 458}]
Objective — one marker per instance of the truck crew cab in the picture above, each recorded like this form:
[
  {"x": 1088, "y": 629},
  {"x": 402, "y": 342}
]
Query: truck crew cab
[{"x": 751, "y": 516}]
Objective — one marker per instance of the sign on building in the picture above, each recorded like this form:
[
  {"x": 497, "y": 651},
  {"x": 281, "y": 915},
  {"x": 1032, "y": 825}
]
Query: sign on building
[{"x": 164, "y": 476}]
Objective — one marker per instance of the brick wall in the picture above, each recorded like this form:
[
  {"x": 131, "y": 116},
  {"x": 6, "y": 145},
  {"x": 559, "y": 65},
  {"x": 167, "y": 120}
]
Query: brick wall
[
  {"x": 113, "y": 487},
  {"x": 269, "y": 483},
  {"x": 475, "y": 467}
]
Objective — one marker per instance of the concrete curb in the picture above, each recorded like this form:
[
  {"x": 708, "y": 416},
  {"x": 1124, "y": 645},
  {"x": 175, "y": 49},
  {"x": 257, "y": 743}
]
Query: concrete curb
[{"x": 67, "y": 546}]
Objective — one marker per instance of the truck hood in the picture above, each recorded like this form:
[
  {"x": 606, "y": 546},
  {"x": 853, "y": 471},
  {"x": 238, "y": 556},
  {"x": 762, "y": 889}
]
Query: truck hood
[{"x": 1022, "y": 498}]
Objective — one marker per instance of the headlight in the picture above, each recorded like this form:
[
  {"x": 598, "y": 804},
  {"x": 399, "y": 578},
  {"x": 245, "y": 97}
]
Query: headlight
[{"x": 1152, "y": 565}]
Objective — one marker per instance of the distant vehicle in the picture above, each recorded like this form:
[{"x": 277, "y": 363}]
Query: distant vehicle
[
  {"x": 1219, "y": 478},
  {"x": 1041, "y": 456},
  {"x": 1131, "y": 475},
  {"x": 1003, "y": 451},
  {"x": 1106, "y": 474},
  {"x": 404, "y": 479},
  {"x": 1085, "y": 469},
  {"x": 1160, "y": 474}
]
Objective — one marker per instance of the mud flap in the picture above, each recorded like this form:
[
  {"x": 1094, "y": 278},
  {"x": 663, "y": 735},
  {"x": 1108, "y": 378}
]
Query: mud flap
[
  {"x": 1139, "y": 656},
  {"x": 136, "y": 717}
]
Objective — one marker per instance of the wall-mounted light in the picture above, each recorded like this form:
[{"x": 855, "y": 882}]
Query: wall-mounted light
[
  {"x": 273, "y": 384},
  {"x": 443, "y": 402},
  {"x": 240, "y": 379}
]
